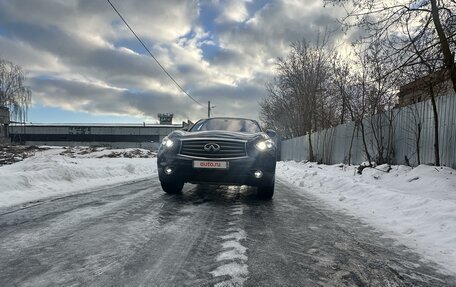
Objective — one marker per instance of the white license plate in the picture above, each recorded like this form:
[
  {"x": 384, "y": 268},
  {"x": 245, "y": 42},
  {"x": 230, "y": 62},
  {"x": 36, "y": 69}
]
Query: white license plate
[{"x": 210, "y": 164}]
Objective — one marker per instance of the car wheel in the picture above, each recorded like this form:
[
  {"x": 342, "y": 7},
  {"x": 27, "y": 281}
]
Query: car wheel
[
  {"x": 266, "y": 191},
  {"x": 172, "y": 187}
]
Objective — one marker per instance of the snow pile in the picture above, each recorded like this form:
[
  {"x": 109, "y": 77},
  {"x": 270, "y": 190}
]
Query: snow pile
[
  {"x": 415, "y": 206},
  {"x": 10, "y": 154},
  {"x": 52, "y": 172},
  {"x": 101, "y": 152}
]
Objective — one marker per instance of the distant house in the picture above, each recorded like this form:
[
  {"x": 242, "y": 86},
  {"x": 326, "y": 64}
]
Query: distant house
[
  {"x": 4, "y": 122},
  {"x": 419, "y": 90}
]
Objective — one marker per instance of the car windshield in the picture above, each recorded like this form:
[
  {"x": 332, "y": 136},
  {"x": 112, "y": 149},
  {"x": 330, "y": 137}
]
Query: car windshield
[{"x": 233, "y": 125}]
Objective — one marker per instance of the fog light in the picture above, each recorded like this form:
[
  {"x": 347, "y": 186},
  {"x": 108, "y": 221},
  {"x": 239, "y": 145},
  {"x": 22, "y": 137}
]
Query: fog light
[
  {"x": 258, "y": 174},
  {"x": 168, "y": 170}
]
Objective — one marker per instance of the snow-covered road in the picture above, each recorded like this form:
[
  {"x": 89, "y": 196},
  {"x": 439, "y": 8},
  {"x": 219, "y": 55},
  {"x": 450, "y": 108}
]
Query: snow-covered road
[
  {"x": 133, "y": 234},
  {"x": 93, "y": 215}
]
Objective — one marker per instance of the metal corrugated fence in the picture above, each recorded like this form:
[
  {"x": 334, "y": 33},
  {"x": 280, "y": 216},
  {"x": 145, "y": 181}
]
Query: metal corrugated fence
[{"x": 397, "y": 128}]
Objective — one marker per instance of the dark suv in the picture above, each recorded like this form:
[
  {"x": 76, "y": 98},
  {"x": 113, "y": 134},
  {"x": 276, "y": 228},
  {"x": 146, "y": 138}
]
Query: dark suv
[{"x": 231, "y": 151}]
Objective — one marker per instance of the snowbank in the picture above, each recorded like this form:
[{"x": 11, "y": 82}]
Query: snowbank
[
  {"x": 415, "y": 206},
  {"x": 56, "y": 172}
]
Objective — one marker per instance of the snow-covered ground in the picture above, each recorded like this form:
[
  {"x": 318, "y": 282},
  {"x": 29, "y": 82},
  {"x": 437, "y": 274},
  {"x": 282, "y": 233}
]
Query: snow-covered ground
[
  {"x": 415, "y": 206},
  {"x": 59, "y": 171}
]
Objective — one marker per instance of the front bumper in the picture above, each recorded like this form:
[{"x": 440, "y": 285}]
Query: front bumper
[{"x": 240, "y": 170}]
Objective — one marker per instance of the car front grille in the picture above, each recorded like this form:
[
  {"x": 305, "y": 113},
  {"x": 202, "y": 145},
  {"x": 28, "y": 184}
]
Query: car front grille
[{"x": 228, "y": 148}]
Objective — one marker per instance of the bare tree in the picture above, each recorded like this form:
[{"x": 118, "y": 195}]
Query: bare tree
[
  {"x": 360, "y": 101},
  {"x": 384, "y": 21},
  {"x": 445, "y": 33},
  {"x": 381, "y": 99},
  {"x": 417, "y": 33},
  {"x": 278, "y": 112},
  {"x": 430, "y": 64},
  {"x": 13, "y": 93},
  {"x": 341, "y": 79},
  {"x": 416, "y": 128},
  {"x": 344, "y": 87},
  {"x": 296, "y": 102},
  {"x": 365, "y": 96}
]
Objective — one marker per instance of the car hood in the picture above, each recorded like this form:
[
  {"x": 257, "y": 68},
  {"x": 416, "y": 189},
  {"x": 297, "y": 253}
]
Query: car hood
[{"x": 219, "y": 134}]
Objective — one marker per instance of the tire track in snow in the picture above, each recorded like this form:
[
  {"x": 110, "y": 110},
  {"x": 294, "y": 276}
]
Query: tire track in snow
[{"x": 233, "y": 254}]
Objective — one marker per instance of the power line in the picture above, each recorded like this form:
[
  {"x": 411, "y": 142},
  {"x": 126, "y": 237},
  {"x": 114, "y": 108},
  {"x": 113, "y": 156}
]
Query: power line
[{"x": 148, "y": 51}]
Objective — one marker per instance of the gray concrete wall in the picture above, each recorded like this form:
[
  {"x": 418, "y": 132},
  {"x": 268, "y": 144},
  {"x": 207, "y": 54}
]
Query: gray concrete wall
[
  {"x": 144, "y": 145},
  {"x": 144, "y": 136},
  {"x": 332, "y": 145}
]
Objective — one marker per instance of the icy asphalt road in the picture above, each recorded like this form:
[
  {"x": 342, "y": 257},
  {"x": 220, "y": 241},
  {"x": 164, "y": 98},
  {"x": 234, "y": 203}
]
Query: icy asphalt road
[{"x": 136, "y": 235}]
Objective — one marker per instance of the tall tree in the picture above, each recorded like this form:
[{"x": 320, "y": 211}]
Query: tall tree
[
  {"x": 13, "y": 92},
  {"x": 296, "y": 102}
]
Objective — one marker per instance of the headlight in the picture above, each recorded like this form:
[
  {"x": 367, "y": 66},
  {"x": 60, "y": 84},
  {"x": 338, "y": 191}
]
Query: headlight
[
  {"x": 167, "y": 143},
  {"x": 264, "y": 145}
]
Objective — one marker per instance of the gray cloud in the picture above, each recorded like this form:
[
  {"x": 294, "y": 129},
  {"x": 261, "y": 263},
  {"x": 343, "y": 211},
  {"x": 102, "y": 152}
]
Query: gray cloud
[
  {"x": 95, "y": 99},
  {"x": 78, "y": 54}
]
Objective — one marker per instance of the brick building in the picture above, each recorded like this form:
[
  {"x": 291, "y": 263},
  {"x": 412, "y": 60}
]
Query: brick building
[{"x": 419, "y": 90}]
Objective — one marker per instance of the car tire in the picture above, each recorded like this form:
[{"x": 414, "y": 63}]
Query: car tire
[
  {"x": 172, "y": 187},
  {"x": 266, "y": 191}
]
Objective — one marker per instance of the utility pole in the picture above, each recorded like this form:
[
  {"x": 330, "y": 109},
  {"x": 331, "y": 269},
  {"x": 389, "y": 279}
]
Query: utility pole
[{"x": 208, "y": 109}]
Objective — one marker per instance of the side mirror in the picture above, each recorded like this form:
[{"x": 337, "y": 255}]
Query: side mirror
[
  {"x": 271, "y": 133},
  {"x": 185, "y": 129}
]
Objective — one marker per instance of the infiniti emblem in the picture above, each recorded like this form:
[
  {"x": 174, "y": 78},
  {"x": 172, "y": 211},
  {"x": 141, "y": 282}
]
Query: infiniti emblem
[{"x": 211, "y": 147}]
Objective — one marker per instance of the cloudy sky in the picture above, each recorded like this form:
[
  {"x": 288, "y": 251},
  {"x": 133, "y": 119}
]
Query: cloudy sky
[{"x": 84, "y": 65}]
